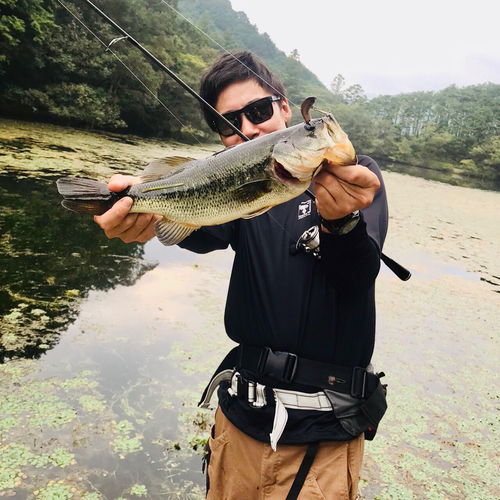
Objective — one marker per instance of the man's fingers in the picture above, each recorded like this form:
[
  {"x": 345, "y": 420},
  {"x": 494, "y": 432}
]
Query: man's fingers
[
  {"x": 356, "y": 175},
  {"x": 115, "y": 215},
  {"x": 334, "y": 203},
  {"x": 141, "y": 229},
  {"x": 323, "y": 197},
  {"x": 120, "y": 182},
  {"x": 341, "y": 190},
  {"x": 118, "y": 222}
]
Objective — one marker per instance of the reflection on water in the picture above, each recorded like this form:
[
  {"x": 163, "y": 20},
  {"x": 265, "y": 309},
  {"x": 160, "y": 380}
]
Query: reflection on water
[
  {"x": 96, "y": 396},
  {"x": 453, "y": 178},
  {"x": 50, "y": 258},
  {"x": 110, "y": 400}
]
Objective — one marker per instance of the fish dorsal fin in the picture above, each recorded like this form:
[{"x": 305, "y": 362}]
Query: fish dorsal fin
[
  {"x": 170, "y": 233},
  {"x": 163, "y": 166},
  {"x": 252, "y": 190},
  {"x": 256, "y": 214}
]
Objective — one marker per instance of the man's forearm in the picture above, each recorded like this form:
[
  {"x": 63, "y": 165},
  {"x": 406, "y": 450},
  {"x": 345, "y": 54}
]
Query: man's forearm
[{"x": 351, "y": 261}]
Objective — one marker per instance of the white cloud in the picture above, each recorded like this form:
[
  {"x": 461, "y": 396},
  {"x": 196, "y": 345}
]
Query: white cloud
[{"x": 387, "y": 46}]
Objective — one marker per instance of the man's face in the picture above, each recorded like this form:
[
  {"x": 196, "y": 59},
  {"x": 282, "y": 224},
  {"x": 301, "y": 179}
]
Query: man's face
[{"x": 236, "y": 96}]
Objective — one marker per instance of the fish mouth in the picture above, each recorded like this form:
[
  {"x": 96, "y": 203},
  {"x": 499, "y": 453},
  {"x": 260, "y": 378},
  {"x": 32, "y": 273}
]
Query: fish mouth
[{"x": 283, "y": 174}]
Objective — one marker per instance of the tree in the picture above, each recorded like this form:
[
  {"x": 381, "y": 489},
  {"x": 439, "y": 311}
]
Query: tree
[
  {"x": 337, "y": 85},
  {"x": 487, "y": 155},
  {"x": 354, "y": 94}
]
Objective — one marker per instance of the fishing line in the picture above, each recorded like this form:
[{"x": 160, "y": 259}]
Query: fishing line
[
  {"x": 115, "y": 40},
  {"x": 108, "y": 49},
  {"x": 227, "y": 52},
  {"x": 291, "y": 237},
  {"x": 308, "y": 192}
]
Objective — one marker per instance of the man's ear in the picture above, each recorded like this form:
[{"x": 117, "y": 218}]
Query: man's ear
[{"x": 286, "y": 110}]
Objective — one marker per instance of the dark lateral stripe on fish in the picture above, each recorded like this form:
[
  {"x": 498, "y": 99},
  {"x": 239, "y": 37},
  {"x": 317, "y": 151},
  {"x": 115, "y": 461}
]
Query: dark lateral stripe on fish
[{"x": 157, "y": 188}]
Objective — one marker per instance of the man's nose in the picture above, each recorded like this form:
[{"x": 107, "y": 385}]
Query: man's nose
[{"x": 248, "y": 128}]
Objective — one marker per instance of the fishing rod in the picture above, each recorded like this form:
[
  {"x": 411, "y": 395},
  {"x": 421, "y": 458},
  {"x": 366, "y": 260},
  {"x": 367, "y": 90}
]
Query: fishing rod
[
  {"x": 399, "y": 270},
  {"x": 169, "y": 72}
]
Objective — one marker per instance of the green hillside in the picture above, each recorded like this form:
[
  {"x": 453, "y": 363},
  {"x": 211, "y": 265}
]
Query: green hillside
[{"x": 53, "y": 69}]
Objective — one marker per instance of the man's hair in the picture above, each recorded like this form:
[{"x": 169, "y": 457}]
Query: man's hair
[{"x": 231, "y": 68}]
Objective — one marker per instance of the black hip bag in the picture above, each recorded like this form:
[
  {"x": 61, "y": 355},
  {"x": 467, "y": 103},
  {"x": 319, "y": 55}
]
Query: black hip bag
[{"x": 356, "y": 394}]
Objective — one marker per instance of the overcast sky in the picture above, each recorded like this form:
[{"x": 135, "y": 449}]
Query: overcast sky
[{"x": 387, "y": 46}]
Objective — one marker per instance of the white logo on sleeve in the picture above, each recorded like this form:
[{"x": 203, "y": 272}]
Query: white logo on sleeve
[{"x": 304, "y": 209}]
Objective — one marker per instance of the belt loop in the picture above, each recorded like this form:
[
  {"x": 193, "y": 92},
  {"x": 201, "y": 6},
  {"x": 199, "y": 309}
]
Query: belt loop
[{"x": 260, "y": 396}]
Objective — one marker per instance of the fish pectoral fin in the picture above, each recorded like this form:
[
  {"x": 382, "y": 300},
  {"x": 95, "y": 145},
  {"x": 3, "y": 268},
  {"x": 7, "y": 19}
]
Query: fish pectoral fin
[
  {"x": 256, "y": 213},
  {"x": 162, "y": 167},
  {"x": 252, "y": 190},
  {"x": 170, "y": 233}
]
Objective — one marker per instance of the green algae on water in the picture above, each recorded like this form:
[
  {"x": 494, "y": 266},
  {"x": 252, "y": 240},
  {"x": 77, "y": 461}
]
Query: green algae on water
[{"x": 139, "y": 490}]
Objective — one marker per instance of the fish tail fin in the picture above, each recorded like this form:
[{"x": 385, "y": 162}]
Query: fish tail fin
[{"x": 86, "y": 195}]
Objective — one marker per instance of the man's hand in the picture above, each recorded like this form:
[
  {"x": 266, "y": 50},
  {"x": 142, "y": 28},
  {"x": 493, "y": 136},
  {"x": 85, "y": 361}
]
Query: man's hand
[
  {"x": 341, "y": 190},
  {"x": 118, "y": 223}
]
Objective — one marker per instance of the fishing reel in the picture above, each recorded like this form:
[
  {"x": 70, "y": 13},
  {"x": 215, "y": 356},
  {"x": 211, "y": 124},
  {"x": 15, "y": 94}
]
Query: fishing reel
[{"x": 308, "y": 242}]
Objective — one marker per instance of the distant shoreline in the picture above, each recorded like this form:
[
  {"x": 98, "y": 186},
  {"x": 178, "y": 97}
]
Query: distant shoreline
[{"x": 455, "y": 177}]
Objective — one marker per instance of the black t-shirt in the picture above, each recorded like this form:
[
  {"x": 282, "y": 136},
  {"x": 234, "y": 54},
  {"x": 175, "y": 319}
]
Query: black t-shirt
[{"x": 318, "y": 309}]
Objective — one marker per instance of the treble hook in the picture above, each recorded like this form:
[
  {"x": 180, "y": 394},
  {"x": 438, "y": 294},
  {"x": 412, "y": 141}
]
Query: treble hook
[{"x": 108, "y": 48}]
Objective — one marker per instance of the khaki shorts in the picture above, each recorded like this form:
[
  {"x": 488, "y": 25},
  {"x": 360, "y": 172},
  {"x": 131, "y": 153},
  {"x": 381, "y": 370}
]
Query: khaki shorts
[{"x": 241, "y": 468}]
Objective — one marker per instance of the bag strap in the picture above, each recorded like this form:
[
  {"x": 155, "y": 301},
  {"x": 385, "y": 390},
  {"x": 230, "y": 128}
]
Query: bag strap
[{"x": 305, "y": 466}]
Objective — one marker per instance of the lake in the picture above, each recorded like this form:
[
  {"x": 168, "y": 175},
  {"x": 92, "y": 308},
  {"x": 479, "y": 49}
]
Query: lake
[{"x": 106, "y": 347}]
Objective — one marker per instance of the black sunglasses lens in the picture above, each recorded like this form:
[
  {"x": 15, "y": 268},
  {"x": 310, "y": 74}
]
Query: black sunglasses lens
[
  {"x": 224, "y": 129},
  {"x": 259, "y": 111}
]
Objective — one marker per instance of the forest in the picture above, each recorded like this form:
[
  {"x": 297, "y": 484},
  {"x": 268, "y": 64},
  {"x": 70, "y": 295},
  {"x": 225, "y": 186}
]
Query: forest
[{"x": 54, "y": 67}]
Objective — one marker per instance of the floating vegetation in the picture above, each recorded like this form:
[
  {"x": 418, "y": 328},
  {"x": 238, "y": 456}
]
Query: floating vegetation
[
  {"x": 90, "y": 403},
  {"x": 126, "y": 444},
  {"x": 54, "y": 492},
  {"x": 139, "y": 490},
  {"x": 42, "y": 150},
  {"x": 91, "y": 496},
  {"x": 124, "y": 426}
]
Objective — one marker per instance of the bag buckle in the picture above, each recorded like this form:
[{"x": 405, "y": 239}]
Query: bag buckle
[
  {"x": 358, "y": 385},
  {"x": 278, "y": 365}
]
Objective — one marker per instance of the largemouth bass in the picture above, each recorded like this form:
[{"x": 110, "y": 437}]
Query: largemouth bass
[{"x": 242, "y": 181}]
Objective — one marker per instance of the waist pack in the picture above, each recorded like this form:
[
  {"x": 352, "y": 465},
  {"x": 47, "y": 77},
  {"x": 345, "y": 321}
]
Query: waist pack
[
  {"x": 356, "y": 395},
  {"x": 359, "y": 416}
]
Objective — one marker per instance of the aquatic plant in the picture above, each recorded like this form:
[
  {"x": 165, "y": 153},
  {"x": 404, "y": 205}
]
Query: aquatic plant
[
  {"x": 139, "y": 490},
  {"x": 55, "y": 491}
]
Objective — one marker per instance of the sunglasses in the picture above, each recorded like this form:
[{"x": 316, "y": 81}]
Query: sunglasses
[{"x": 258, "y": 111}]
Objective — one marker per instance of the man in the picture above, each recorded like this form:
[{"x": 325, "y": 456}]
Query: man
[{"x": 293, "y": 407}]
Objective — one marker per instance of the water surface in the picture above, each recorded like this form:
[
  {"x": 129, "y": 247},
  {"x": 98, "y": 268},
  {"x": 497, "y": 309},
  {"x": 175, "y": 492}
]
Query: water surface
[{"x": 106, "y": 347}]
